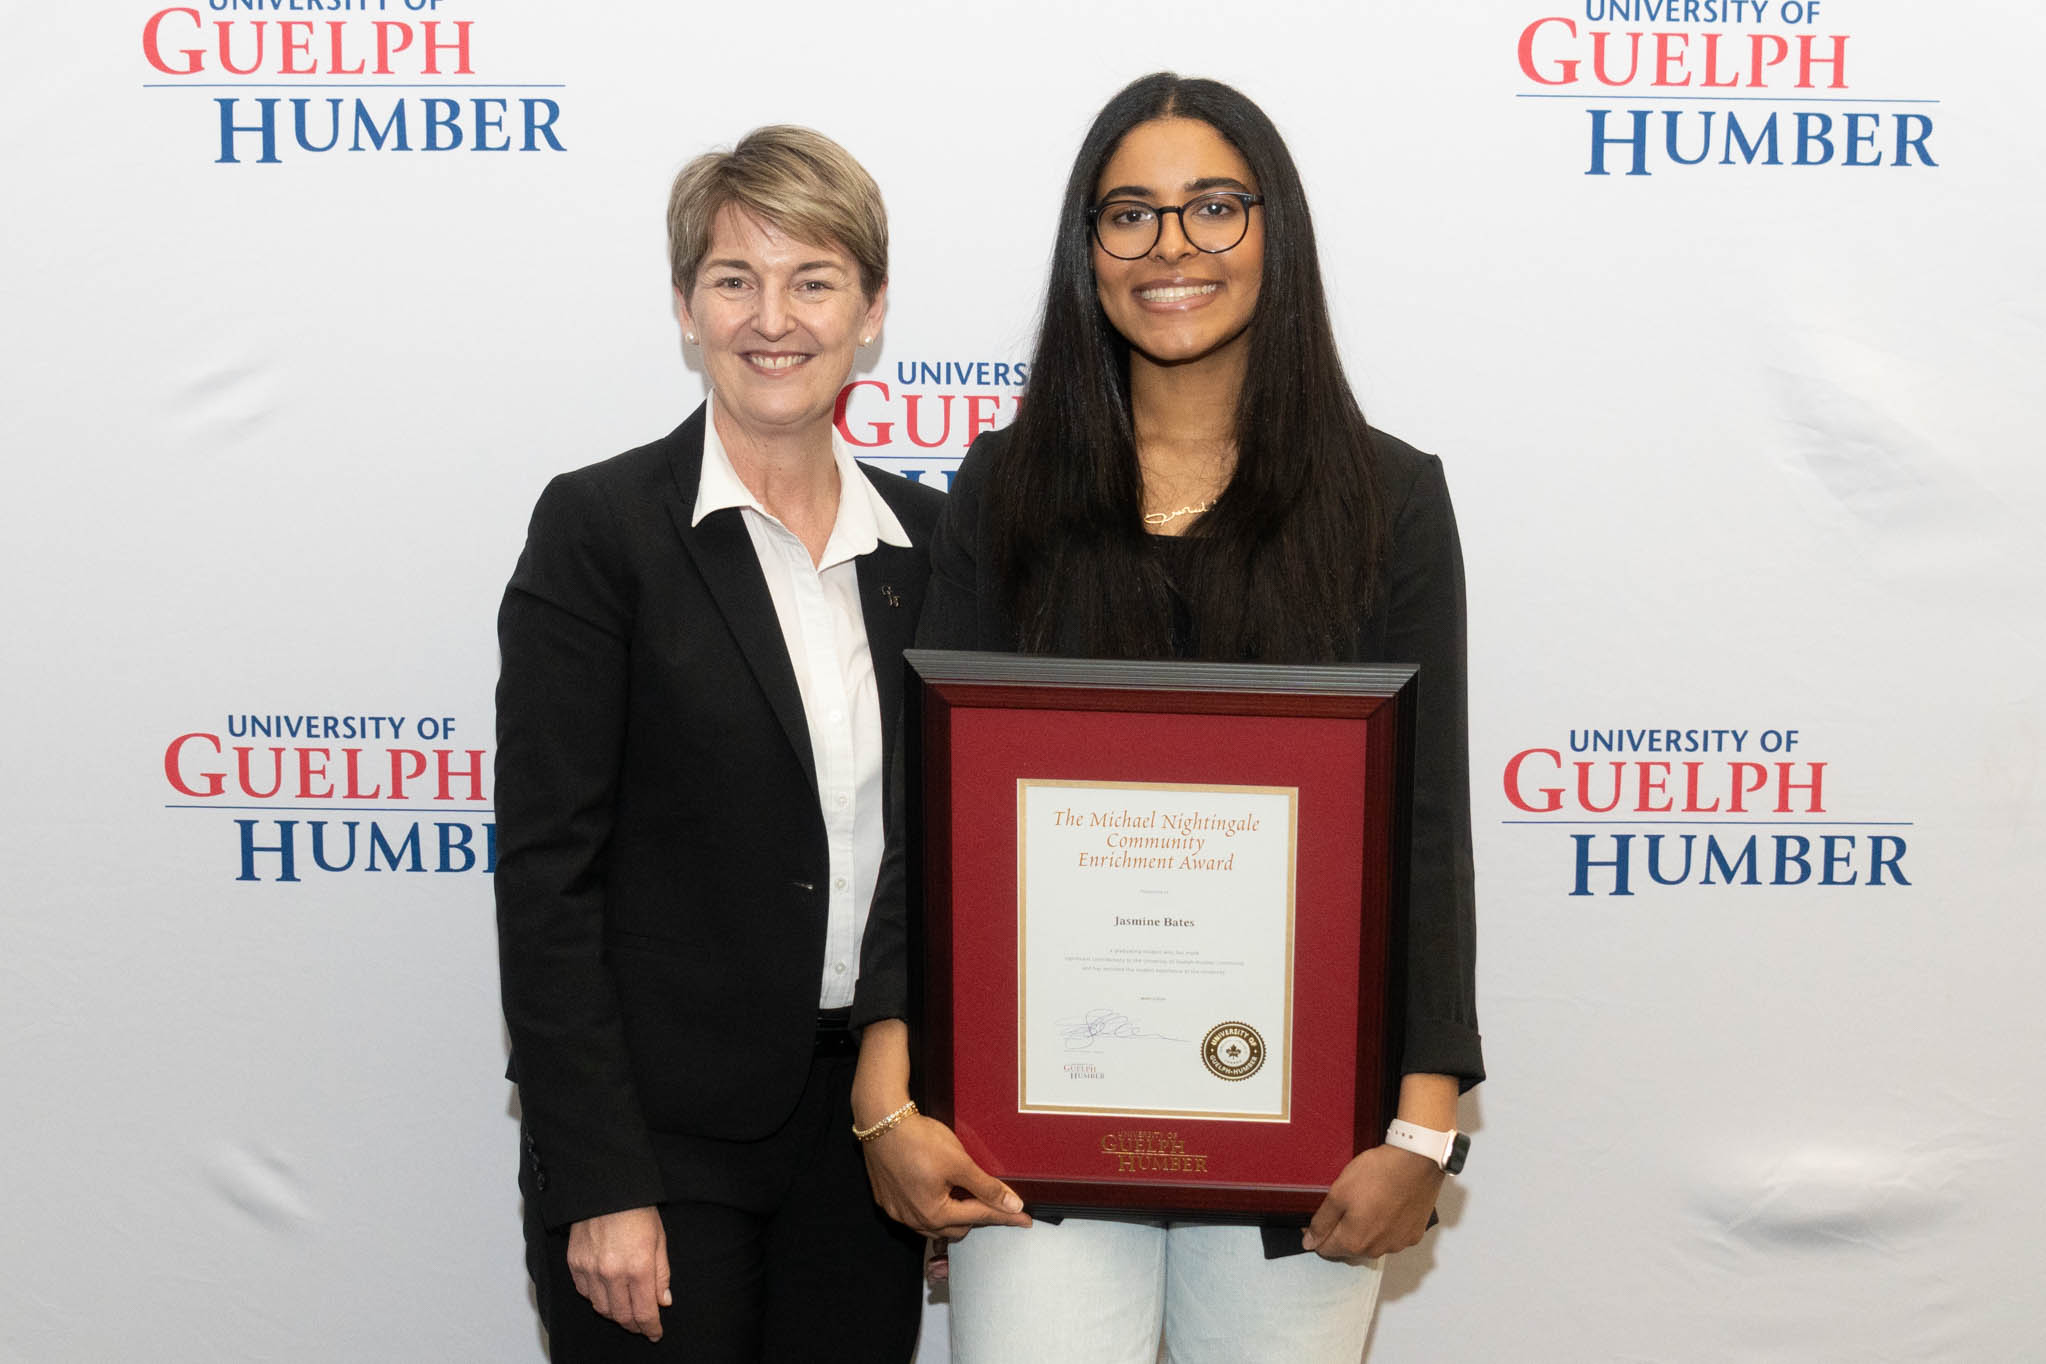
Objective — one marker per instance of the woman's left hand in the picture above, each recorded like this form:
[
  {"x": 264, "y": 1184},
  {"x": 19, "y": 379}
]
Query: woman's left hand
[{"x": 1378, "y": 1204}]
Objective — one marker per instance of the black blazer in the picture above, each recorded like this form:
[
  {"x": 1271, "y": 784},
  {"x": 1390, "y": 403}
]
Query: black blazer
[
  {"x": 661, "y": 896},
  {"x": 1417, "y": 617}
]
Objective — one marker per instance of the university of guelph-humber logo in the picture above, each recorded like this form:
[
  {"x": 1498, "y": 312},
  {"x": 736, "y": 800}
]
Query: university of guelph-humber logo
[
  {"x": 413, "y": 800},
  {"x": 1233, "y": 1051},
  {"x": 1673, "y": 84},
  {"x": 351, "y": 81}
]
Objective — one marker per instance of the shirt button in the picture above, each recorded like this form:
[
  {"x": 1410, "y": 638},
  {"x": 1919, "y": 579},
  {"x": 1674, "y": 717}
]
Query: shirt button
[
  {"x": 838, "y": 884},
  {"x": 842, "y": 798},
  {"x": 837, "y": 717},
  {"x": 838, "y": 968}
]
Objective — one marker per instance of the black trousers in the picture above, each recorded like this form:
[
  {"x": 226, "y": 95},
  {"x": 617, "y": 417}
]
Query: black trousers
[{"x": 777, "y": 1252}]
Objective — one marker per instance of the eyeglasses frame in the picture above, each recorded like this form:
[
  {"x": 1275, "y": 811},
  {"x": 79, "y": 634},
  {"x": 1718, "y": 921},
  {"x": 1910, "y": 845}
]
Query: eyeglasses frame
[{"x": 1245, "y": 197}]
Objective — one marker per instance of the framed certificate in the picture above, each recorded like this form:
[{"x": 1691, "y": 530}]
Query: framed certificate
[{"x": 1161, "y": 906}]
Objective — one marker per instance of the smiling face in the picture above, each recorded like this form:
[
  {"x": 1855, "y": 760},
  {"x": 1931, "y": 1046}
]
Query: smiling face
[
  {"x": 779, "y": 321},
  {"x": 1176, "y": 305}
]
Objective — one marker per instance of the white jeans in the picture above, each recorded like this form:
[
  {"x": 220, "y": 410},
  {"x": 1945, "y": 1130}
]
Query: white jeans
[{"x": 1096, "y": 1291}]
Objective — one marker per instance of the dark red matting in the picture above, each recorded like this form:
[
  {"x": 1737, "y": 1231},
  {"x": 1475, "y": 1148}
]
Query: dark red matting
[{"x": 1340, "y": 752}]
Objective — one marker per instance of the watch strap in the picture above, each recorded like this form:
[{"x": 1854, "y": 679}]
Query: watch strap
[{"x": 1446, "y": 1149}]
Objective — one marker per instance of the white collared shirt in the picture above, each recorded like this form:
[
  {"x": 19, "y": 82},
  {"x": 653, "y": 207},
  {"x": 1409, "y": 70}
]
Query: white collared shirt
[{"x": 818, "y": 607}]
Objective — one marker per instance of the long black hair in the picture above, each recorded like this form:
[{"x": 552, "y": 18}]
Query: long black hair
[{"x": 1294, "y": 538}]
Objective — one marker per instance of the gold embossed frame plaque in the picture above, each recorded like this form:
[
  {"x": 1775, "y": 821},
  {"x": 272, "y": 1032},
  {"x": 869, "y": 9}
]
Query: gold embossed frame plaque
[{"x": 1160, "y": 908}]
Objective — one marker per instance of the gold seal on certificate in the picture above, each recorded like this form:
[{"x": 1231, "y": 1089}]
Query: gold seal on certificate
[
  {"x": 1146, "y": 913},
  {"x": 1233, "y": 1051}
]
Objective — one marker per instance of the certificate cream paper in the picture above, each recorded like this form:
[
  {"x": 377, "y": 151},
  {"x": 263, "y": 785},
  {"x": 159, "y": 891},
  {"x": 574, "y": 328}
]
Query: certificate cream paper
[{"x": 1155, "y": 949}]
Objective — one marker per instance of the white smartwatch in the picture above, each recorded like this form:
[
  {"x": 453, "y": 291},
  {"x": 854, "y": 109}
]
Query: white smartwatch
[{"x": 1446, "y": 1149}]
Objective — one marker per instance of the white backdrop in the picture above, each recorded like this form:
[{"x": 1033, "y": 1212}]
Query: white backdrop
[{"x": 1736, "y": 446}]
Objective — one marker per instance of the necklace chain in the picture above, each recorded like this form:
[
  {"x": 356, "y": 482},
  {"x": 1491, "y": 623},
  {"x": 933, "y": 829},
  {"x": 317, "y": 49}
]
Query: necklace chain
[{"x": 1167, "y": 518}]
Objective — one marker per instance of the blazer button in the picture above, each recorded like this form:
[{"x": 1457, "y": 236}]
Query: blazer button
[{"x": 540, "y": 1181}]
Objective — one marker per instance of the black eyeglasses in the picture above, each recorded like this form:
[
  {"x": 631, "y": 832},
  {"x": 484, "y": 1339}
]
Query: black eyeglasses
[{"x": 1212, "y": 223}]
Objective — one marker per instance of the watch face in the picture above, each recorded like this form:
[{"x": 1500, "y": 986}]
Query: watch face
[{"x": 1458, "y": 1149}]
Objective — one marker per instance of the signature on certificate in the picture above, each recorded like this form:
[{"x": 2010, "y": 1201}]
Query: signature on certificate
[{"x": 1084, "y": 1032}]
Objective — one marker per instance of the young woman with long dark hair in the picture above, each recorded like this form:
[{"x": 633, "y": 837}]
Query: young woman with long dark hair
[{"x": 1190, "y": 476}]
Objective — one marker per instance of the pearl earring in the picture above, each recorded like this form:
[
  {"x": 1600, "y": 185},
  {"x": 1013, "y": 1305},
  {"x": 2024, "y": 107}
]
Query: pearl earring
[{"x": 866, "y": 340}]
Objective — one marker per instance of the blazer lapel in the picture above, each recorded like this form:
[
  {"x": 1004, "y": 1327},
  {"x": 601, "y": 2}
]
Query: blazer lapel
[
  {"x": 891, "y": 596},
  {"x": 724, "y": 555}
]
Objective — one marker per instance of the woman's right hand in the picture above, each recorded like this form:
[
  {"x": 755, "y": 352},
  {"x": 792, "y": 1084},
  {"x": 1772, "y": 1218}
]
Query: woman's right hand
[
  {"x": 916, "y": 1165},
  {"x": 619, "y": 1261},
  {"x": 917, "y": 1168}
]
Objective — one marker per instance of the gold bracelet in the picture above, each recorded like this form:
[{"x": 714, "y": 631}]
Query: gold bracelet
[{"x": 869, "y": 1133}]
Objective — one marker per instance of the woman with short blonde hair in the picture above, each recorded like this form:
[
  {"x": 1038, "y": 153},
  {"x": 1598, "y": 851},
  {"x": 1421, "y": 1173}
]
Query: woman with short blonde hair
[
  {"x": 800, "y": 180},
  {"x": 701, "y": 654}
]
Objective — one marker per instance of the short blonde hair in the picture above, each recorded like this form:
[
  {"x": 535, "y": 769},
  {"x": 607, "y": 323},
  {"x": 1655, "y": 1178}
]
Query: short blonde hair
[{"x": 794, "y": 179}]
